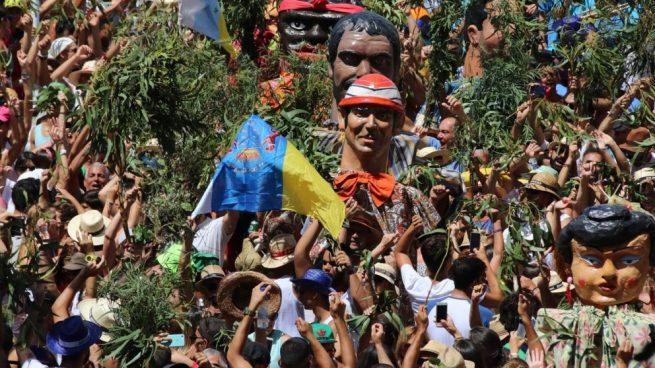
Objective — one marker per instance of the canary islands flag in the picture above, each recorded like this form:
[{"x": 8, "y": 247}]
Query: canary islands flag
[
  {"x": 263, "y": 171},
  {"x": 206, "y": 17}
]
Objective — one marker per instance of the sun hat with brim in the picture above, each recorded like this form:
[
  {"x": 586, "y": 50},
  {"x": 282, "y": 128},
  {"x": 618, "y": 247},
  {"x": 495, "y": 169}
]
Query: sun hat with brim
[
  {"x": 496, "y": 326},
  {"x": 248, "y": 259},
  {"x": 447, "y": 355},
  {"x": 373, "y": 89},
  {"x": 647, "y": 173},
  {"x": 91, "y": 222},
  {"x": 211, "y": 272},
  {"x": 281, "y": 249},
  {"x": 555, "y": 284},
  {"x": 388, "y": 273},
  {"x": 315, "y": 279},
  {"x": 544, "y": 182},
  {"x": 72, "y": 335},
  {"x": 235, "y": 290},
  {"x": 545, "y": 169},
  {"x": 75, "y": 262},
  {"x": 100, "y": 312},
  {"x": 323, "y": 333},
  {"x": 58, "y": 46},
  {"x": 635, "y": 136}
]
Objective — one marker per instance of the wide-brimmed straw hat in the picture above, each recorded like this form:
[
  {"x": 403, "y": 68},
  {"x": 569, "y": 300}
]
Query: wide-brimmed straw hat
[
  {"x": 91, "y": 222},
  {"x": 100, "y": 312},
  {"x": 248, "y": 259},
  {"x": 281, "y": 249},
  {"x": 234, "y": 293},
  {"x": 544, "y": 182},
  {"x": 448, "y": 356},
  {"x": 72, "y": 335}
]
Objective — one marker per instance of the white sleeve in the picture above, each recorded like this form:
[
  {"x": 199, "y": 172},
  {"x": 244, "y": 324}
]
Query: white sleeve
[{"x": 416, "y": 285}]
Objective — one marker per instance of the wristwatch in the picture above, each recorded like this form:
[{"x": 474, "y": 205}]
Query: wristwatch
[{"x": 248, "y": 312}]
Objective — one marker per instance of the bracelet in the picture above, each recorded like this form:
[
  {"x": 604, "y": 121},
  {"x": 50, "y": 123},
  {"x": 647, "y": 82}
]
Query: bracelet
[
  {"x": 513, "y": 355},
  {"x": 499, "y": 231},
  {"x": 41, "y": 56}
]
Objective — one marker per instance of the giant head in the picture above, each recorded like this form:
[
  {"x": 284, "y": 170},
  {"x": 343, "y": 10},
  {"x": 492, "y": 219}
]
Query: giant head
[
  {"x": 607, "y": 252},
  {"x": 361, "y": 44},
  {"x": 304, "y": 25}
]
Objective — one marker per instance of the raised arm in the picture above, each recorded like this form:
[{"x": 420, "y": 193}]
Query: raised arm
[
  {"x": 235, "y": 349},
  {"x": 402, "y": 247},
  {"x": 338, "y": 313},
  {"x": 321, "y": 357},
  {"x": 61, "y": 305},
  {"x": 301, "y": 259},
  {"x": 411, "y": 356}
]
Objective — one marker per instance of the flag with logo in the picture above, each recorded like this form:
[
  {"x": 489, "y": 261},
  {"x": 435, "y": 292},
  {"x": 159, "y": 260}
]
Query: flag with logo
[
  {"x": 263, "y": 171},
  {"x": 206, "y": 17}
]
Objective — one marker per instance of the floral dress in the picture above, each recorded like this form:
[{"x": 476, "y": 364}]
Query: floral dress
[{"x": 586, "y": 337}]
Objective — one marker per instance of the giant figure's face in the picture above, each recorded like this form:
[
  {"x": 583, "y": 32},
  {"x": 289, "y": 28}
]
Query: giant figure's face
[
  {"x": 369, "y": 129},
  {"x": 611, "y": 275},
  {"x": 359, "y": 54},
  {"x": 305, "y": 30}
]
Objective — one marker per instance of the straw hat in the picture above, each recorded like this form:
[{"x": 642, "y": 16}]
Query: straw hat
[
  {"x": 100, "y": 312},
  {"x": 544, "y": 182},
  {"x": 647, "y": 173},
  {"x": 496, "y": 326},
  {"x": 91, "y": 222},
  {"x": 636, "y": 136},
  {"x": 248, "y": 259},
  {"x": 211, "y": 272},
  {"x": 234, "y": 293},
  {"x": 448, "y": 356},
  {"x": 281, "y": 249},
  {"x": 388, "y": 273},
  {"x": 555, "y": 284}
]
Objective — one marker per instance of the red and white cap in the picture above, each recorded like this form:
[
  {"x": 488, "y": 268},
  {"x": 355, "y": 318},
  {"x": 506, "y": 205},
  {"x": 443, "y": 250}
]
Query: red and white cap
[{"x": 374, "y": 89}]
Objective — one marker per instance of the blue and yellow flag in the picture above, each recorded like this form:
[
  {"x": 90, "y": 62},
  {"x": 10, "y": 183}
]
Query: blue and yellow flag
[
  {"x": 263, "y": 171},
  {"x": 206, "y": 17}
]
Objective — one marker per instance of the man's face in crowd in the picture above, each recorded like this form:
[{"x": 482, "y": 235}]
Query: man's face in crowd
[
  {"x": 614, "y": 274},
  {"x": 647, "y": 190},
  {"x": 359, "y": 54},
  {"x": 447, "y": 132},
  {"x": 96, "y": 177},
  {"x": 304, "y": 30},
  {"x": 558, "y": 156},
  {"x": 369, "y": 129}
]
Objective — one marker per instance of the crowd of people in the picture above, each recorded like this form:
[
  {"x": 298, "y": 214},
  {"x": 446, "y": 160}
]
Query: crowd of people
[{"x": 530, "y": 263}]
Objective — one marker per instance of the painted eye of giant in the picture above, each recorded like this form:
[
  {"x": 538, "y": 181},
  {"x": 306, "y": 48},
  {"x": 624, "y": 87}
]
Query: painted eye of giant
[
  {"x": 629, "y": 260},
  {"x": 592, "y": 260},
  {"x": 297, "y": 25}
]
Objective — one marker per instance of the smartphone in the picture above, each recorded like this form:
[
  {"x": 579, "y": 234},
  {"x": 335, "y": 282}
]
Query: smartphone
[
  {"x": 537, "y": 90},
  {"x": 128, "y": 183},
  {"x": 475, "y": 240},
  {"x": 520, "y": 330},
  {"x": 442, "y": 311},
  {"x": 176, "y": 340}
]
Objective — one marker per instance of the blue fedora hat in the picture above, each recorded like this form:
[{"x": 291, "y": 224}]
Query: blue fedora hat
[
  {"x": 72, "y": 335},
  {"x": 315, "y": 279}
]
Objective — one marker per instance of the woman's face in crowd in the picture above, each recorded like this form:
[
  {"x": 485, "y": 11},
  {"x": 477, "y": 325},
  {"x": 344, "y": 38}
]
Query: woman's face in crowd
[
  {"x": 329, "y": 263},
  {"x": 612, "y": 275}
]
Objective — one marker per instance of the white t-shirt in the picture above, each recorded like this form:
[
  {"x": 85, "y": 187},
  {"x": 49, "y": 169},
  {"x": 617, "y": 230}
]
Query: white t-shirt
[
  {"x": 418, "y": 287},
  {"x": 459, "y": 311},
  {"x": 290, "y": 308},
  {"x": 210, "y": 238}
]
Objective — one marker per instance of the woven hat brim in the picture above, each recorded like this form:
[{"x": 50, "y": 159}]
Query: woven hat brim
[
  {"x": 270, "y": 262},
  {"x": 74, "y": 226},
  {"x": 243, "y": 282},
  {"x": 541, "y": 189}
]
